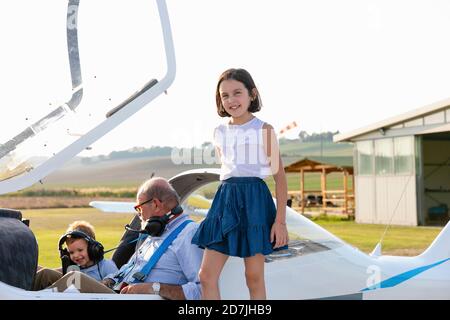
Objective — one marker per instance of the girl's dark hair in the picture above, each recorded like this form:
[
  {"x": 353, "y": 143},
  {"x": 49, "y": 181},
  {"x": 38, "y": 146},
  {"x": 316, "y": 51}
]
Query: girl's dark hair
[{"x": 243, "y": 76}]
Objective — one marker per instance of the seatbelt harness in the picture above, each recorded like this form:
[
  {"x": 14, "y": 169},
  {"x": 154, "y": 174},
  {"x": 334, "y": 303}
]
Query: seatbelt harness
[{"x": 141, "y": 275}]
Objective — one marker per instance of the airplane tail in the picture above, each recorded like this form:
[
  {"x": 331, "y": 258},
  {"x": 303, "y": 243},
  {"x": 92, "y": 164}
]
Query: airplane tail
[{"x": 440, "y": 247}]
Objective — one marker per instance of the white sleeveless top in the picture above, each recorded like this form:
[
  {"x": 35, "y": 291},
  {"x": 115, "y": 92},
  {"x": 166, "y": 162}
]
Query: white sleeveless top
[{"x": 242, "y": 150}]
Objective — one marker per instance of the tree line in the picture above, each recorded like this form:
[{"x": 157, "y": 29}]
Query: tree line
[{"x": 316, "y": 137}]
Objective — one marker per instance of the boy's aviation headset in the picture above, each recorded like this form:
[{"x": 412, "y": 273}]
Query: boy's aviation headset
[
  {"x": 95, "y": 249},
  {"x": 155, "y": 225}
]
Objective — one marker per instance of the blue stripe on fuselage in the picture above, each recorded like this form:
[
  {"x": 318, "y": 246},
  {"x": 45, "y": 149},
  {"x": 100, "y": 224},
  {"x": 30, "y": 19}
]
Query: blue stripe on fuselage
[{"x": 395, "y": 280}]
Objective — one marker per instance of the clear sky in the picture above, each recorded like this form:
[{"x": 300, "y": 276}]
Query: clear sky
[{"x": 328, "y": 65}]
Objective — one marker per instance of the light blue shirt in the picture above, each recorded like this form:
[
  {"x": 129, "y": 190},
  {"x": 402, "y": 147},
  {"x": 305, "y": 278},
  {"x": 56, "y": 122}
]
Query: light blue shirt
[
  {"x": 105, "y": 267},
  {"x": 179, "y": 265}
]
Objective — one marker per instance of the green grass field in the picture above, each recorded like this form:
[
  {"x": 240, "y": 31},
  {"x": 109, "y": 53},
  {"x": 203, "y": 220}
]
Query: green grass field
[
  {"x": 49, "y": 224},
  {"x": 399, "y": 240}
]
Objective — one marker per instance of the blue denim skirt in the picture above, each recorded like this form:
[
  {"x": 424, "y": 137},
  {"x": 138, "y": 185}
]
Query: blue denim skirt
[{"x": 240, "y": 219}]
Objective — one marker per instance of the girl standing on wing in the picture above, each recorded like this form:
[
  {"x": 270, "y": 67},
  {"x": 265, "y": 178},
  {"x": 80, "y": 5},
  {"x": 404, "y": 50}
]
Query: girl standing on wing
[{"x": 243, "y": 220}]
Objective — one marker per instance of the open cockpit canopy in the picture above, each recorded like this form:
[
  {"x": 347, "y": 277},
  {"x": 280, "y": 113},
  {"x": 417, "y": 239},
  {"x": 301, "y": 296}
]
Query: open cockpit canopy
[{"x": 71, "y": 72}]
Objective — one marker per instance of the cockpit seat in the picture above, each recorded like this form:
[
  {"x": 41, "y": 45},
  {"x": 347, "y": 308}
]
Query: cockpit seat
[{"x": 18, "y": 250}]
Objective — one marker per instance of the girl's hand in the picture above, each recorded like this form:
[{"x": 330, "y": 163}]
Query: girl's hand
[{"x": 279, "y": 234}]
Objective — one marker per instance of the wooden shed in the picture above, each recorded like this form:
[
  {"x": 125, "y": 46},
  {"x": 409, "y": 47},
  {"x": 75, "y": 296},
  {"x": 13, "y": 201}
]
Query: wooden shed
[{"x": 336, "y": 200}]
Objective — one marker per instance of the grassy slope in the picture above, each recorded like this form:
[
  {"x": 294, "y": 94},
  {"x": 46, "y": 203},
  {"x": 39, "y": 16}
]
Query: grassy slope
[
  {"x": 328, "y": 149},
  {"x": 125, "y": 173}
]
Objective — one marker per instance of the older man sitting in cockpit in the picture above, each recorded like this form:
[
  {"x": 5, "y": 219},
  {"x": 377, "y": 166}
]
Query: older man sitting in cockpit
[{"x": 166, "y": 263}]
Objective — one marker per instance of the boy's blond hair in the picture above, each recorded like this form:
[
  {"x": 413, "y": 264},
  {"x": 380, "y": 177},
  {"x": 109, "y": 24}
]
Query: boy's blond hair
[{"x": 82, "y": 226}]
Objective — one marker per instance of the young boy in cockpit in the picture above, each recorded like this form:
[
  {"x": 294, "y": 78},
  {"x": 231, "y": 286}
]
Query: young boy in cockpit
[{"x": 82, "y": 251}]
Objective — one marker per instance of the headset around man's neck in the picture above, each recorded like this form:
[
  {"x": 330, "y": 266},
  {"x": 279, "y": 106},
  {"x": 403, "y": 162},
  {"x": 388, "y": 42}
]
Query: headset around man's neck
[{"x": 155, "y": 226}]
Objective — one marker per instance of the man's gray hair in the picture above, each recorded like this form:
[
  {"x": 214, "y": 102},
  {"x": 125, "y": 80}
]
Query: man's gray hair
[{"x": 159, "y": 188}]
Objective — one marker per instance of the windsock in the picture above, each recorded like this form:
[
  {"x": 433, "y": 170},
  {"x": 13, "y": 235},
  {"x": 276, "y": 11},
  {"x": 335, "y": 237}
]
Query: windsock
[{"x": 290, "y": 126}]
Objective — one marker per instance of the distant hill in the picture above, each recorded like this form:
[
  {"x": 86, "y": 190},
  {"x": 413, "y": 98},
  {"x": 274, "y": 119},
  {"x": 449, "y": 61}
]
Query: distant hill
[
  {"x": 328, "y": 152},
  {"x": 326, "y": 148},
  {"x": 125, "y": 172},
  {"x": 129, "y": 168}
]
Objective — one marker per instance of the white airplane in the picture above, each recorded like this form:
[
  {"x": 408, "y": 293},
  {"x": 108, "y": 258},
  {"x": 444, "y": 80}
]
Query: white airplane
[{"x": 317, "y": 264}]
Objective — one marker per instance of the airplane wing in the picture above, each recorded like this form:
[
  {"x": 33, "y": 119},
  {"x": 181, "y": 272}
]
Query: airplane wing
[
  {"x": 198, "y": 201},
  {"x": 195, "y": 204},
  {"x": 113, "y": 206}
]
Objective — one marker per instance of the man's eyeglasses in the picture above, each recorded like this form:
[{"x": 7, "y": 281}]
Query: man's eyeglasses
[{"x": 138, "y": 207}]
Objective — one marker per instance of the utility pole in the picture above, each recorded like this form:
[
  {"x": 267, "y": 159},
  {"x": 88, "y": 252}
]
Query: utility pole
[{"x": 321, "y": 146}]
